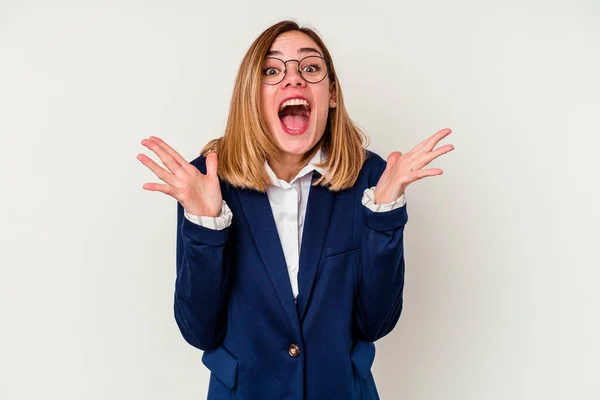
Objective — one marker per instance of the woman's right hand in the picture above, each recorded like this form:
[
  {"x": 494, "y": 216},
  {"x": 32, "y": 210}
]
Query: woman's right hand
[{"x": 199, "y": 194}]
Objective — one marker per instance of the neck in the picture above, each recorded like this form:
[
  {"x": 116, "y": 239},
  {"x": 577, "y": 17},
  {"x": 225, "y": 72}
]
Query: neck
[{"x": 287, "y": 166}]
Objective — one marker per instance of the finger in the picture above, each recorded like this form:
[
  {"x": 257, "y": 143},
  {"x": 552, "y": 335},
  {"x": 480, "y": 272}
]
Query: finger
[
  {"x": 182, "y": 161},
  {"x": 393, "y": 157},
  {"x": 432, "y": 155},
  {"x": 165, "y": 157},
  {"x": 433, "y": 140},
  {"x": 159, "y": 171},
  {"x": 424, "y": 173},
  {"x": 160, "y": 187},
  {"x": 211, "y": 164}
]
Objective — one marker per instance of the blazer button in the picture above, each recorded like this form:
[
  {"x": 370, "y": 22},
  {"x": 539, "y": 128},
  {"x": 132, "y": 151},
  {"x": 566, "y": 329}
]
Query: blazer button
[{"x": 294, "y": 350}]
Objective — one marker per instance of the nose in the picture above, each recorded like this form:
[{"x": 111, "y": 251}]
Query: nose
[{"x": 292, "y": 76}]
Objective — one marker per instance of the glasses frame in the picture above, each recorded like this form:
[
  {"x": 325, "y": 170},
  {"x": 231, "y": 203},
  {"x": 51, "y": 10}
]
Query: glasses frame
[{"x": 299, "y": 71}]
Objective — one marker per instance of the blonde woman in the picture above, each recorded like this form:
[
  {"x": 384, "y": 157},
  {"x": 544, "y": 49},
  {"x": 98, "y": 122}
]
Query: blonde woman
[{"x": 290, "y": 258}]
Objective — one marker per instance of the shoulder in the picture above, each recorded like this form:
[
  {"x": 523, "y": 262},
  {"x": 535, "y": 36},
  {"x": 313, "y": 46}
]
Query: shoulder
[
  {"x": 200, "y": 163},
  {"x": 373, "y": 167},
  {"x": 373, "y": 161}
]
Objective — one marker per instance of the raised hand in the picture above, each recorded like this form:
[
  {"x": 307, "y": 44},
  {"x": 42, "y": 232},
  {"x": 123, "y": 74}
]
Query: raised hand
[
  {"x": 404, "y": 169},
  {"x": 199, "y": 194}
]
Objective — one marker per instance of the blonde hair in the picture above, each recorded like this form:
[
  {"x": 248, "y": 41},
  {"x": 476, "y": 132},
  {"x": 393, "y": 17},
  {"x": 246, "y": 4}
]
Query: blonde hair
[{"x": 247, "y": 143}]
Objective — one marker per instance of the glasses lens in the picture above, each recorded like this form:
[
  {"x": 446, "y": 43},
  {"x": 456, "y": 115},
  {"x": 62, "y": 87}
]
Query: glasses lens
[
  {"x": 313, "y": 69},
  {"x": 273, "y": 71}
]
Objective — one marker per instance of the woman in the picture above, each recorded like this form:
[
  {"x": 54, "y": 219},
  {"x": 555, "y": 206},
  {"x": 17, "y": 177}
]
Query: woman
[{"x": 290, "y": 254}]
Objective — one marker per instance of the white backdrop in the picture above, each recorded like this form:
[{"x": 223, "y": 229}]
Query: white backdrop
[{"x": 501, "y": 298}]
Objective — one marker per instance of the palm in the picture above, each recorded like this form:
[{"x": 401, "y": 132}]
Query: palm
[
  {"x": 404, "y": 169},
  {"x": 199, "y": 194}
]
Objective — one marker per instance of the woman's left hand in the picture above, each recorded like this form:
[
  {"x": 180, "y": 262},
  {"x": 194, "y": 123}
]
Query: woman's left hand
[{"x": 404, "y": 169}]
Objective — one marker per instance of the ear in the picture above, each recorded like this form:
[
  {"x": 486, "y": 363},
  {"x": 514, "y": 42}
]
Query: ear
[{"x": 332, "y": 96}]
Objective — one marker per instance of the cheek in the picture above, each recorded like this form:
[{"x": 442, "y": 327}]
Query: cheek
[
  {"x": 266, "y": 103},
  {"x": 323, "y": 100},
  {"x": 323, "y": 107}
]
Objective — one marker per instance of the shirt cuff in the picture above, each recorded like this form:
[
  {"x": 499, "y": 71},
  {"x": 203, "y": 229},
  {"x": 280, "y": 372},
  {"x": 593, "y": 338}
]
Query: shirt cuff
[
  {"x": 216, "y": 223},
  {"x": 368, "y": 200}
]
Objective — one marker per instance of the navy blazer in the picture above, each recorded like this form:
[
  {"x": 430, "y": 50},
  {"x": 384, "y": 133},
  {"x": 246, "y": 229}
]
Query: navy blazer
[{"x": 233, "y": 297}]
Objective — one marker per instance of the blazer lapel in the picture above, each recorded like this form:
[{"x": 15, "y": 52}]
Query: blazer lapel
[
  {"x": 316, "y": 224},
  {"x": 258, "y": 212}
]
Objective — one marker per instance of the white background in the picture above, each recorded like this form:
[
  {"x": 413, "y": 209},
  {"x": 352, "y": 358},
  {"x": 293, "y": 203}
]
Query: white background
[{"x": 501, "y": 298}]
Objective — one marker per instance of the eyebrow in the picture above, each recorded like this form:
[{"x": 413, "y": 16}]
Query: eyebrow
[{"x": 302, "y": 50}]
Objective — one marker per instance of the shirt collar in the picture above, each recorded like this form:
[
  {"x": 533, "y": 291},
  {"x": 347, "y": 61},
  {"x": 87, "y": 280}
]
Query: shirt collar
[{"x": 318, "y": 157}]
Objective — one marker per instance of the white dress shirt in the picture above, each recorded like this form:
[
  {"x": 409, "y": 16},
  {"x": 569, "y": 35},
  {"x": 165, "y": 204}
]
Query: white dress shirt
[{"x": 288, "y": 203}]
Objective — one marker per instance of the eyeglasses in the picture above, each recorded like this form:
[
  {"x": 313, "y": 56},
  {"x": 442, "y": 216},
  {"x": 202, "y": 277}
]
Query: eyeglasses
[{"x": 312, "y": 69}]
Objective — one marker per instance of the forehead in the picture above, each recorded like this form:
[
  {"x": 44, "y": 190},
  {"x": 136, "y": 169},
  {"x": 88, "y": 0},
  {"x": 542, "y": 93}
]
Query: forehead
[{"x": 294, "y": 43}]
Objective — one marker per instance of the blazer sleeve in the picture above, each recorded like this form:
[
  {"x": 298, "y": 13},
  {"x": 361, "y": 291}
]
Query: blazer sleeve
[
  {"x": 201, "y": 284},
  {"x": 381, "y": 272}
]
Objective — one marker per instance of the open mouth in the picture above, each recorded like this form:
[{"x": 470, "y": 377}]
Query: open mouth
[{"x": 294, "y": 115}]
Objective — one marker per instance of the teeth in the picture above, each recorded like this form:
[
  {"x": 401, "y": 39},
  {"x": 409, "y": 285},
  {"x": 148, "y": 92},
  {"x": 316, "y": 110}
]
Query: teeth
[{"x": 294, "y": 102}]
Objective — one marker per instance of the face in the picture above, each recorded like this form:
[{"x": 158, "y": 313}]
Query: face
[{"x": 294, "y": 110}]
